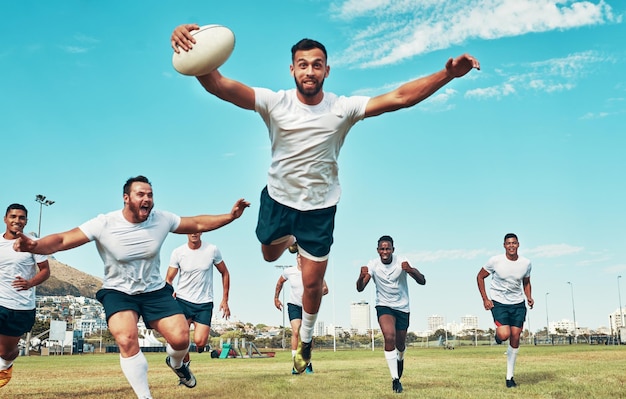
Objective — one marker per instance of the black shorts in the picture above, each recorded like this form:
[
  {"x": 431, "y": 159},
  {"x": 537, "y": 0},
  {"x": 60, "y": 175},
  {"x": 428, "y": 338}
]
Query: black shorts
[
  {"x": 313, "y": 229},
  {"x": 151, "y": 306},
  {"x": 402, "y": 318},
  {"x": 295, "y": 311},
  {"x": 14, "y": 323},
  {"x": 197, "y": 312},
  {"x": 509, "y": 315}
]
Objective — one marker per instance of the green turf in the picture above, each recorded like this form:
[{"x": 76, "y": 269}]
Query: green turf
[{"x": 580, "y": 371}]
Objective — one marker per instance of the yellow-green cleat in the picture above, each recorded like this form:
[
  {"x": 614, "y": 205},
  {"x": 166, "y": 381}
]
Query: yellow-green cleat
[{"x": 303, "y": 356}]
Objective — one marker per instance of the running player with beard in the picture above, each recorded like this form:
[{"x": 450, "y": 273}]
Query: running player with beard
[
  {"x": 307, "y": 128},
  {"x": 129, "y": 241}
]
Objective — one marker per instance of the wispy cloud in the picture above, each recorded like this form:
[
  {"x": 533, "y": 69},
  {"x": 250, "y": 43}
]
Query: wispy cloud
[
  {"x": 74, "y": 49},
  {"x": 399, "y": 29},
  {"x": 543, "y": 251},
  {"x": 547, "y": 76},
  {"x": 553, "y": 251}
]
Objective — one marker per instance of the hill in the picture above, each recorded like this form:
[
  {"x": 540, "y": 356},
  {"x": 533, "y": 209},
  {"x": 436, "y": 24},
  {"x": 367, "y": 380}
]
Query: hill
[{"x": 65, "y": 280}]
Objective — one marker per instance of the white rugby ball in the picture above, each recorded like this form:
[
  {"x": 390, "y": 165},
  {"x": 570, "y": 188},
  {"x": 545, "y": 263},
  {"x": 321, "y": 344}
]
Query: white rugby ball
[{"x": 214, "y": 44}]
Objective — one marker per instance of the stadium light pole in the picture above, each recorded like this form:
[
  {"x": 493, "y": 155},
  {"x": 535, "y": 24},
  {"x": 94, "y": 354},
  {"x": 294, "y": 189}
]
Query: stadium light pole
[
  {"x": 571, "y": 286},
  {"x": 621, "y": 316},
  {"x": 283, "y": 267},
  {"x": 42, "y": 201},
  {"x": 547, "y": 322}
]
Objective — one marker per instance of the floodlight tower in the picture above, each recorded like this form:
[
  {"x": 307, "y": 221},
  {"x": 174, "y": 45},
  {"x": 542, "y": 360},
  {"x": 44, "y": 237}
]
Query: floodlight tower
[{"x": 42, "y": 201}]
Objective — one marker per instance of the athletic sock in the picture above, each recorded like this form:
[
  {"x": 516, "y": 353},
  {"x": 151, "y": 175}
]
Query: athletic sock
[
  {"x": 293, "y": 353},
  {"x": 511, "y": 356},
  {"x": 5, "y": 364},
  {"x": 392, "y": 362},
  {"x": 400, "y": 355},
  {"x": 308, "y": 323},
  {"x": 176, "y": 356},
  {"x": 135, "y": 368}
]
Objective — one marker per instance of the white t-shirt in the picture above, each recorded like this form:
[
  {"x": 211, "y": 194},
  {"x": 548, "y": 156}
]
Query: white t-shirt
[
  {"x": 391, "y": 285},
  {"x": 195, "y": 271},
  {"x": 130, "y": 251},
  {"x": 506, "y": 278},
  {"x": 13, "y": 264},
  {"x": 294, "y": 276},
  {"x": 305, "y": 141}
]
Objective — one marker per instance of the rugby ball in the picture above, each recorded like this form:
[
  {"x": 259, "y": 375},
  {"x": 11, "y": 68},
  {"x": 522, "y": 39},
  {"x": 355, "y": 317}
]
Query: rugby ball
[{"x": 214, "y": 44}]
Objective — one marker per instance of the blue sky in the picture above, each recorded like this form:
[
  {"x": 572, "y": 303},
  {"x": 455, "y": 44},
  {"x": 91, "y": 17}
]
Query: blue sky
[{"x": 532, "y": 143}]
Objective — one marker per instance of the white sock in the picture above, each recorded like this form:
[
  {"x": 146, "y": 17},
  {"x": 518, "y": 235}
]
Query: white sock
[
  {"x": 135, "y": 368},
  {"x": 511, "y": 356},
  {"x": 293, "y": 353},
  {"x": 176, "y": 356},
  {"x": 5, "y": 364},
  {"x": 306, "y": 329},
  {"x": 392, "y": 362}
]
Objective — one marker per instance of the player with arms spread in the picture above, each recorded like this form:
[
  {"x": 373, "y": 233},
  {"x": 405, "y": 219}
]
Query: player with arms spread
[{"x": 307, "y": 127}]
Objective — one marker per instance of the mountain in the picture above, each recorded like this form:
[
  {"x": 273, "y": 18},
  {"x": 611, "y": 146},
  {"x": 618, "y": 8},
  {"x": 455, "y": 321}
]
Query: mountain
[{"x": 65, "y": 280}]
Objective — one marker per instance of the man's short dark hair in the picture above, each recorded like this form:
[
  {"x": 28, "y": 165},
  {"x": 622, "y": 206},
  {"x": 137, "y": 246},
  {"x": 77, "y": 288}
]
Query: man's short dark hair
[
  {"x": 510, "y": 235},
  {"x": 307, "y": 44},
  {"x": 385, "y": 239},
  {"x": 137, "y": 179},
  {"x": 16, "y": 206}
]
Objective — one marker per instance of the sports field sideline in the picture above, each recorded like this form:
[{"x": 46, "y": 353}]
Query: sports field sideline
[{"x": 578, "y": 371}]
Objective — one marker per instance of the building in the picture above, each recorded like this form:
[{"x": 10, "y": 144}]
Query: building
[
  {"x": 360, "y": 319},
  {"x": 469, "y": 322},
  {"x": 436, "y": 322},
  {"x": 319, "y": 330}
]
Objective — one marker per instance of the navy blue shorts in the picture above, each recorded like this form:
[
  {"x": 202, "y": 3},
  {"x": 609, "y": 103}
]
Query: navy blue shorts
[
  {"x": 295, "y": 311},
  {"x": 14, "y": 323},
  {"x": 402, "y": 318},
  {"x": 509, "y": 315},
  {"x": 313, "y": 229},
  {"x": 151, "y": 306},
  {"x": 197, "y": 312}
]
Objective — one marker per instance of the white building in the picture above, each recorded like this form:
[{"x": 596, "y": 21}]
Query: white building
[
  {"x": 469, "y": 322},
  {"x": 618, "y": 319},
  {"x": 360, "y": 320},
  {"x": 436, "y": 322}
]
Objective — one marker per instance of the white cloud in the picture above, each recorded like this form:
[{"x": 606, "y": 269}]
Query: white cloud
[
  {"x": 74, "y": 49},
  {"x": 553, "y": 251},
  {"x": 399, "y": 29}
]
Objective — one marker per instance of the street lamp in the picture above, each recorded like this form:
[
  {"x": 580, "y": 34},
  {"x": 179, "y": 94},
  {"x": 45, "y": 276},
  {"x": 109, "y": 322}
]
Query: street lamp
[
  {"x": 42, "y": 201},
  {"x": 283, "y": 267},
  {"x": 621, "y": 316},
  {"x": 571, "y": 286},
  {"x": 547, "y": 322}
]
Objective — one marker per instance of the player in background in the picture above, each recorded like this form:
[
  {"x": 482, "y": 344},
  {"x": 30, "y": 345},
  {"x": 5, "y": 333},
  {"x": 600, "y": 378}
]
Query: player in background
[
  {"x": 389, "y": 273},
  {"x": 510, "y": 282},
  {"x": 293, "y": 274},
  {"x": 20, "y": 273},
  {"x": 193, "y": 262}
]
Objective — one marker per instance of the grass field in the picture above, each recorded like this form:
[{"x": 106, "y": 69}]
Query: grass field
[{"x": 579, "y": 371}]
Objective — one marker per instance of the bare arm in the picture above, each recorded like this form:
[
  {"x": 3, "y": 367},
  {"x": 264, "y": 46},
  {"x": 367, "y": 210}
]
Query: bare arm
[
  {"x": 171, "y": 275},
  {"x": 202, "y": 223},
  {"x": 52, "y": 243},
  {"x": 528, "y": 291},
  {"x": 279, "y": 288},
  {"x": 21, "y": 284},
  {"x": 414, "y": 273},
  {"x": 418, "y": 90},
  {"x": 480, "y": 280},
  {"x": 221, "y": 267},
  {"x": 363, "y": 280},
  {"x": 227, "y": 89}
]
